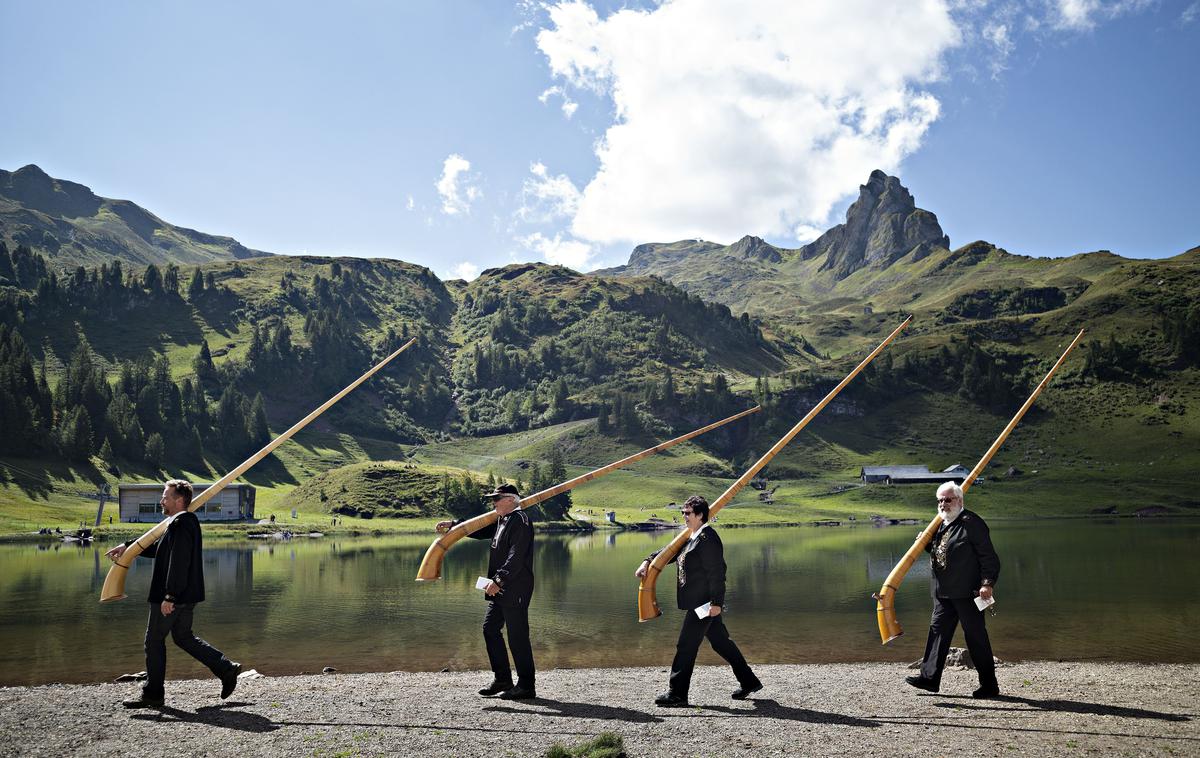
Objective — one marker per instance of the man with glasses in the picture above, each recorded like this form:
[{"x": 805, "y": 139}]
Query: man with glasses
[
  {"x": 964, "y": 565},
  {"x": 701, "y": 582},
  {"x": 510, "y": 571}
]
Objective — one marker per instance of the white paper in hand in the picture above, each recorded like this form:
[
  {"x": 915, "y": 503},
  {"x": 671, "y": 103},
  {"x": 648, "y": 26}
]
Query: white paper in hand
[
  {"x": 702, "y": 611},
  {"x": 983, "y": 605},
  {"x": 482, "y": 582}
]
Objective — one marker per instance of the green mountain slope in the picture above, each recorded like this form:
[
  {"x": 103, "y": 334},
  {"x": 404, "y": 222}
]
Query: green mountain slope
[
  {"x": 72, "y": 225},
  {"x": 511, "y": 371}
]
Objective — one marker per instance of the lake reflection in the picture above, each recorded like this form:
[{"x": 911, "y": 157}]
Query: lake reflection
[{"x": 1069, "y": 590}]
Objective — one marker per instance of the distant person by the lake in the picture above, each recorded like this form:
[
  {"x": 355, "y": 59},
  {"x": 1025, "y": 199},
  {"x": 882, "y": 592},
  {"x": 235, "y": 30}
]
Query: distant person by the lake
[
  {"x": 176, "y": 586},
  {"x": 510, "y": 571},
  {"x": 701, "y": 582},
  {"x": 965, "y": 565}
]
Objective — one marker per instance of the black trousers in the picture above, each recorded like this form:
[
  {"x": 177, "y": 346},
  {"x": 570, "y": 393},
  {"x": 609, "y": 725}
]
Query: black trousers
[
  {"x": 179, "y": 626},
  {"x": 947, "y": 613},
  {"x": 516, "y": 618},
  {"x": 690, "y": 636}
]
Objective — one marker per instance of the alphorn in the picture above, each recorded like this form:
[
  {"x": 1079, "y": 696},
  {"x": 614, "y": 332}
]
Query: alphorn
[
  {"x": 431, "y": 565},
  {"x": 114, "y": 583},
  {"x": 885, "y": 608},
  {"x": 647, "y": 601}
]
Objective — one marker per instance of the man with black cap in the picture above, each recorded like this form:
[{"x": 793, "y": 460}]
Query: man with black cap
[
  {"x": 176, "y": 585},
  {"x": 510, "y": 569}
]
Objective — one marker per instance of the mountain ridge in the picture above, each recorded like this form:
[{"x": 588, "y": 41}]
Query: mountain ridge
[{"x": 74, "y": 226}]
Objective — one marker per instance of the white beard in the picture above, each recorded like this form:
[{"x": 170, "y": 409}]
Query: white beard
[{"x": 949, "y": 517}]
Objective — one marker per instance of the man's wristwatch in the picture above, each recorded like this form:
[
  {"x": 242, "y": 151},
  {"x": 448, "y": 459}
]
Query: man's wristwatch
[{"x": 169, "y": 599}]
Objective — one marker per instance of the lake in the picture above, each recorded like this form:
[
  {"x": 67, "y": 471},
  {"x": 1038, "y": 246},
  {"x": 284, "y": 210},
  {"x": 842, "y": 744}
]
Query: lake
[{"x": 1115, "y": 590}]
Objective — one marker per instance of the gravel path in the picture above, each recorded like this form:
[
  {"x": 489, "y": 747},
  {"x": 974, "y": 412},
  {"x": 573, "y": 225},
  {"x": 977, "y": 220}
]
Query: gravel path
[{"x": 835, "y": 709}]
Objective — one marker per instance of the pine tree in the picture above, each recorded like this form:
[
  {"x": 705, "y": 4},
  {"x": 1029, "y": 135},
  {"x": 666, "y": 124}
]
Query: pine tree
[
  {"x": 258, "y": 432},
  {"x": 152, "y": 280},
  {"x": 196, "y": 286},
  {"x": 156, "y": 450},
  {"x": 206, "y": 371}
]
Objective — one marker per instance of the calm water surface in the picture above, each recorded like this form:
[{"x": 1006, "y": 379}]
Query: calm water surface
[{"x": 1119, "y": 590}]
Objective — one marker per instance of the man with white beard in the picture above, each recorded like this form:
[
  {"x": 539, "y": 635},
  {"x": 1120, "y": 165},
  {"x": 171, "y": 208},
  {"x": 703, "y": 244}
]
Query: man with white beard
[{"x": 964, "y": 565}]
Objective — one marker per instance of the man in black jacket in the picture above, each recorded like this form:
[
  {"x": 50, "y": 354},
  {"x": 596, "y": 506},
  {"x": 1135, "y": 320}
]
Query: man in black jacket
[
  {"x": 964, "y": 565},
  {"x": 510, "y": 569},
  {"x": 701, "y": 581},
  {"x": 175, "y": 587}
]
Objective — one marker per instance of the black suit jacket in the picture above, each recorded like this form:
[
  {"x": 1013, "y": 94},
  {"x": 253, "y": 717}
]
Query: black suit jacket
[
  {"x": 178, "y": 567},
  {"x": 701, "y": 571},
  {"x": 510, "y": 563},
  {"x": 970, "y": 559}
]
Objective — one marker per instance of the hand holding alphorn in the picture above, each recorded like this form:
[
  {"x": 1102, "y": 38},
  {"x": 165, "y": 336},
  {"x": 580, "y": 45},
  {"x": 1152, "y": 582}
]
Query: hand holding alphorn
[
  {"x": 431, "y": 565},
  {"x": 647, "y": 600},
  {"x": 114, "y": 583},
  {"x": 885, "y": 608}
]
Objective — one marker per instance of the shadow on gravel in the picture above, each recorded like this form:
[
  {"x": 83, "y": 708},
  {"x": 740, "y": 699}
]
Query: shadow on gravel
[
  {"x": 772, "y": 709},
  {"x": 1073, "y": 706},
  {"x": 580, "y": 710},
  {"x": 212, "y": 715}
]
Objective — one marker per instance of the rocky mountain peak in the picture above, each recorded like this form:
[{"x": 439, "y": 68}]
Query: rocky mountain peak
[
  {"x": 755, "y": 248},
  {"x": 882, "y": 225}
]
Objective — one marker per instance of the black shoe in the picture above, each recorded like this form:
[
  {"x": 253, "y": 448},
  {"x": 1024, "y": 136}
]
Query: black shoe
[
  {"x": 746, "y": 690},
  {"x": 986, "y": 692},
  {"x": 495, "y": 688},
  {"x": 518, "y": 693},
  {"x": 229, "y": 680},
  {"x": 141, "y": 701},
  {"x": 922, "y": 683},
  {"x": 671, "y": 700}
]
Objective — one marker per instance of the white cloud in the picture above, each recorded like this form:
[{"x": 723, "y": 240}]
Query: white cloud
[
  {"x": 805, "y": 233},
  {"x": 465, "y": 270},
  {"x": 745, "y": 118},
  {"x": 545, "y": 198},
  {"x": 999, "y": 38},
  {"x": 456, "y": 187},
  {"x": 1083, "y": 15},
  {"x": 411, "y": 204},
  {"x": 1190, "y": 14},
  {"x": 565, "y": 252},
  {"x": 569, "y": 106}
]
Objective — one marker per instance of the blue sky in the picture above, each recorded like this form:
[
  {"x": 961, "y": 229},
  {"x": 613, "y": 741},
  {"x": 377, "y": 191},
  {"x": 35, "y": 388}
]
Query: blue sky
[{"x": 464, "y": 135}]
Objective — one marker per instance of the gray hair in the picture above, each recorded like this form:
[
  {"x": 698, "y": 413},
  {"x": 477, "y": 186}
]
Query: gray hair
[{"x": 953, "y": 489}]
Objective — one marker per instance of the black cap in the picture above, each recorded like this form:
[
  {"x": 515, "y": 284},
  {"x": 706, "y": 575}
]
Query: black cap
[{"x": 503, "y": 490}]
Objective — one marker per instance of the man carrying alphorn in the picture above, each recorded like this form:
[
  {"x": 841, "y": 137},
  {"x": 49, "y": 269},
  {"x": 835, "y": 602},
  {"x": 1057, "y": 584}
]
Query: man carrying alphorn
[
  {"x": 175, "y": 588},
  {"x": 510, "y": 571},
  {"x": 701, "y": 587}
]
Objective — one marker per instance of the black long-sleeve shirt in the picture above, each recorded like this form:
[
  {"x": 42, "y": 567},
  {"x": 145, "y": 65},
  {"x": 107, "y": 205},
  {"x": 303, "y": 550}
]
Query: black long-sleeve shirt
[
  {"x": 178, "y": 566},
  {"x": 963, "y": 557},
  {"x": 701, "y": 571},
  {"x": 510, "y": 563}
]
